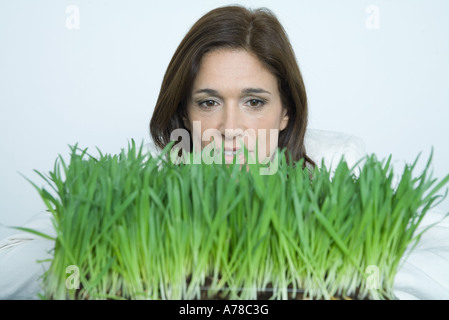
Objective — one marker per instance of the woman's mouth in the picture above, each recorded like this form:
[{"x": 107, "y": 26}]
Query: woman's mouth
[{"x": 231, "y": 154}]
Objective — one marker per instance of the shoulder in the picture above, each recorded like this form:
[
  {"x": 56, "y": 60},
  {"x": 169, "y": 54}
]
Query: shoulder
[{"x": 329, "y": 147}]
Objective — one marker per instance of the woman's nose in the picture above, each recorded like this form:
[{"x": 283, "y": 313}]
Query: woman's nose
[{"x": 231, "y": 122}]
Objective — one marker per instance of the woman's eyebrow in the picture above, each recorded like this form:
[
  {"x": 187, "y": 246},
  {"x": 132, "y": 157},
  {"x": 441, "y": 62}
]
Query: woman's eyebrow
[
  {"x": 254, "y": 90},
  {"x": 208, "y": 91},
  {"x": 244, "y": 91}
]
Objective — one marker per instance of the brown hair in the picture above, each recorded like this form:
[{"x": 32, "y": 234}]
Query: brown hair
[{"x": 257, "y": 31}]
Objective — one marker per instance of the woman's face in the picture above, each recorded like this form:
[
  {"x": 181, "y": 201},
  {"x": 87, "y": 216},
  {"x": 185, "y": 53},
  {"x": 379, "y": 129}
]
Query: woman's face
[{"x": 235, "y": 99}]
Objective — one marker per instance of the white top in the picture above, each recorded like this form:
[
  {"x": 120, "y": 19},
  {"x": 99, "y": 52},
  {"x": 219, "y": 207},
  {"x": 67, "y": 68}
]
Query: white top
[{"x": 423, "y": 275}]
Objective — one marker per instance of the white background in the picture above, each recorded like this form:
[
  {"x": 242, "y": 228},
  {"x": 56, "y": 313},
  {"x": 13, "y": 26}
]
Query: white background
[{"x": 90, "y": 72}]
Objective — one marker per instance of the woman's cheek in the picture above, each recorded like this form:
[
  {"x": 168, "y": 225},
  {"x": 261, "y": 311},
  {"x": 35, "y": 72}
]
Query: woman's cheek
[{"x": 267, "y": 143}]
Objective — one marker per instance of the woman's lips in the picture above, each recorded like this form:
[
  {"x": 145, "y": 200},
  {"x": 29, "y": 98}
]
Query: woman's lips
[{"x": 230, "y": 154}]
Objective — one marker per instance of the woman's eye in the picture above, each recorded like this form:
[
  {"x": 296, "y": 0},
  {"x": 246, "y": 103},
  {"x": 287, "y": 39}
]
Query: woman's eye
[
  {"x": 208, "y": 104},
  {"x": 255, "y": 103}
]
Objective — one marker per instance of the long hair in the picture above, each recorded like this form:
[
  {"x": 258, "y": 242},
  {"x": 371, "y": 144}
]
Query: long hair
[{"x": 260, "y": 33}]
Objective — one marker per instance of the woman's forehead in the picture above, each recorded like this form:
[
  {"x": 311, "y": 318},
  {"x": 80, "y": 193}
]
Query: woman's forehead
[{"x": 233, "y": 70}]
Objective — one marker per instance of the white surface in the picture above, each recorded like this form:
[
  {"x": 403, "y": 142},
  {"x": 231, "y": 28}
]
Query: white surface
[
  {"x": 20, "y": 252},
  {"x": 424, "y": 273}
]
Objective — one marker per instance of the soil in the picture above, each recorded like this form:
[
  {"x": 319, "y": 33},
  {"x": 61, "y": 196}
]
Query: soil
[{"x": 266, "y": 294}]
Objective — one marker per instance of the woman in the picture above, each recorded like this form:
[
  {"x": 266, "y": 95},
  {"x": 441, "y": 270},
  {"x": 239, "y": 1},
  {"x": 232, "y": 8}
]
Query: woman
[{"x": 234, "y": 80}]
